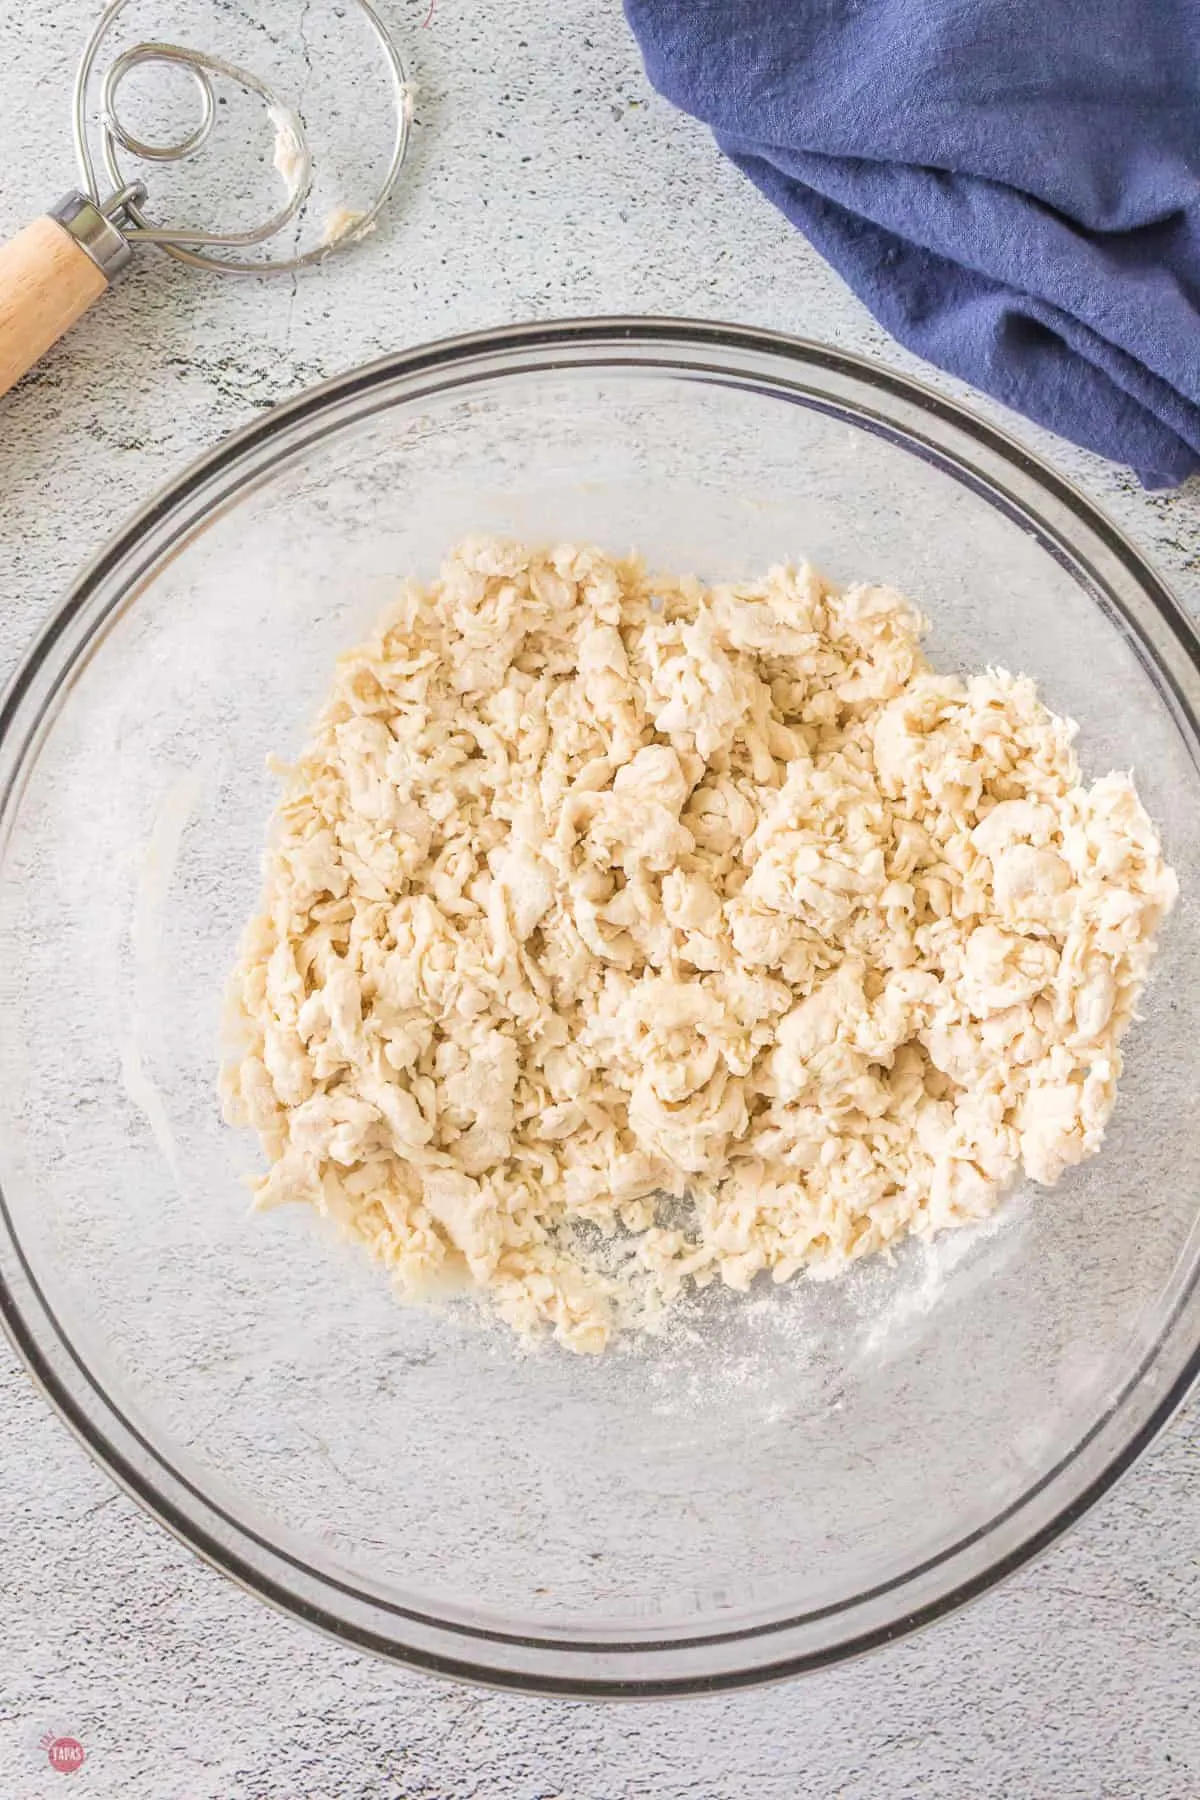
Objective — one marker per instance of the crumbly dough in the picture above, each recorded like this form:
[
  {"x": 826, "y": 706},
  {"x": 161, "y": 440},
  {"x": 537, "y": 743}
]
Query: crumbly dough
[
  {"x": 346, "y": 222},
  {"x": 620, "y": 932}
]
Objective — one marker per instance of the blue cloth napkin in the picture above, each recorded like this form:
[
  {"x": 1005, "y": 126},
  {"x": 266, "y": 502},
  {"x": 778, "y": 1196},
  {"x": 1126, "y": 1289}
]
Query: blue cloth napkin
[{"x": 1012, "y": 186}]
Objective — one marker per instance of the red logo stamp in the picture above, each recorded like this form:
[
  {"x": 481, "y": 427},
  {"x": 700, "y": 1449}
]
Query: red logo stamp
[{"x": 66, "y": 1754}]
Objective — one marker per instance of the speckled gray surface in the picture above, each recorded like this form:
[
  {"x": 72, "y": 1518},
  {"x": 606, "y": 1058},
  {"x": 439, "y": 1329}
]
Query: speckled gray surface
[{"x": 545, "y": 180}]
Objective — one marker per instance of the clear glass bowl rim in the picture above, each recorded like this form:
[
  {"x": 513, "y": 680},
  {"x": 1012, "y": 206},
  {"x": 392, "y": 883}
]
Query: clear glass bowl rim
[{"x": 926, "y": 424}]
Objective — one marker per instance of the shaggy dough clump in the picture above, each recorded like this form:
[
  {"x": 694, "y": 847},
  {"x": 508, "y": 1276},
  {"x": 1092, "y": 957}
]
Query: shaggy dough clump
[{"x": 594, "y": 890}]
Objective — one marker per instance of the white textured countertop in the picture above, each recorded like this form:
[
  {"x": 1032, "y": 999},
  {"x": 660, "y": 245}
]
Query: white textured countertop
[{"x": 546, "y": 180}]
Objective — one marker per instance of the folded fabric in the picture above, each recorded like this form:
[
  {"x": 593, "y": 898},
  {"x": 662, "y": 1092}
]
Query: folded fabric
[{"x": 1012, "y": 186}]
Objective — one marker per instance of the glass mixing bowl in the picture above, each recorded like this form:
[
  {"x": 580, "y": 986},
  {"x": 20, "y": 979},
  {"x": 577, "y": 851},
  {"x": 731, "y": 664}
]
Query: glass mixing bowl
[{"x": 781, "y": 1480}]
